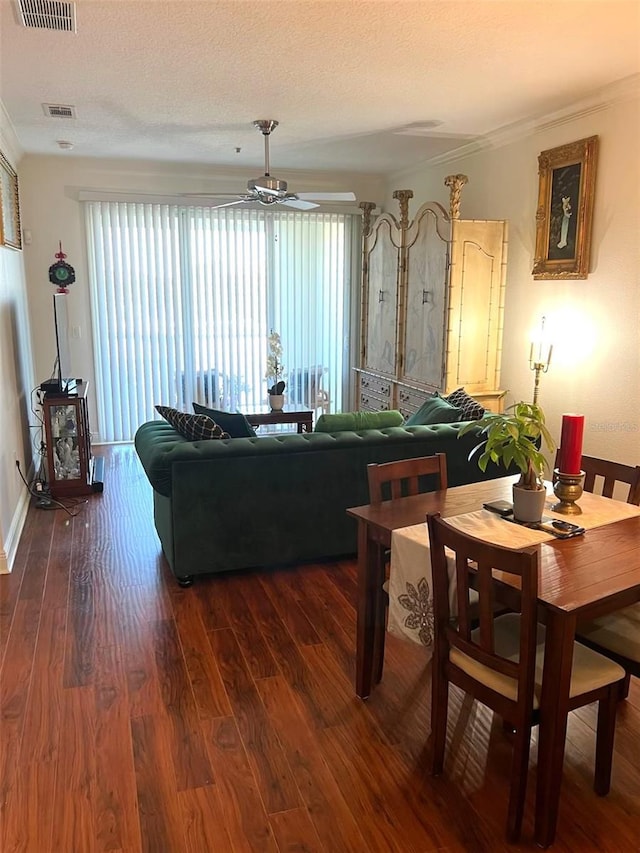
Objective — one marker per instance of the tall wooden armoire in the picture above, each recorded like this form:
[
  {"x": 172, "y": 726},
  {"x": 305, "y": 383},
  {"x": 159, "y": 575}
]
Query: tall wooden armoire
[{"x": 432, "y": 305}]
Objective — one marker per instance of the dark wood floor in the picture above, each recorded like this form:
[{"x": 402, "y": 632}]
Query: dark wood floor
[{"x": 136, "y": 715}]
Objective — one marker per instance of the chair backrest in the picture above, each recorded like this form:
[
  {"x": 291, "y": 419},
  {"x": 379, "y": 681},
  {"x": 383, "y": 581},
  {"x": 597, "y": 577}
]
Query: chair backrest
[
  {"x": 471, "y": 629},
  {"x": 601, "y": 476},
  {"x": 305, "y": 388},
  {"x": 390, "y": 480}
]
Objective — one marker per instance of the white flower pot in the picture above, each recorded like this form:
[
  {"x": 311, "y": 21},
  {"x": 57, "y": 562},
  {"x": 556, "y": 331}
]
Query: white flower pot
[
  {"x": 276, "y": 401},
  {"x": 528, "y": 504}
]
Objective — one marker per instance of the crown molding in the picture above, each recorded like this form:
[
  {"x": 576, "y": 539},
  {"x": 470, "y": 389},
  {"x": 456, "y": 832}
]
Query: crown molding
[{"x": 622, "y": 90}]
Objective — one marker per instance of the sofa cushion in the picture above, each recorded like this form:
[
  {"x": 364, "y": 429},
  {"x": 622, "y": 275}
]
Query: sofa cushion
[
  {"x": 471, "y": 409},
  {"x": 356, "y": 421},
  {"x": 191, "y": 427},
  {"x": 234, "y": 423},
  {"x": 435, "y": 410}
]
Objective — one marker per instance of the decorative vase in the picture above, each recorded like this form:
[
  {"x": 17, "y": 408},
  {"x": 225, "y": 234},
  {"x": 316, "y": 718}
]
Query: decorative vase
[
  {"x": 276, "y": 401},
  {"x": 528, "y": 504}
]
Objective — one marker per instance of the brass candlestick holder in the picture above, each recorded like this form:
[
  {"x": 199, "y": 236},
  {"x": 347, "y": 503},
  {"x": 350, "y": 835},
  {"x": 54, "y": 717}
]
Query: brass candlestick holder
[{"x": 568, "y": 489}]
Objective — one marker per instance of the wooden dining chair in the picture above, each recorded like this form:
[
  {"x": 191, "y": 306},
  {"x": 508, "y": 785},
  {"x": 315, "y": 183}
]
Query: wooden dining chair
[
  {"x": 499, "y": 662},
  {"x": 389, "y": 481},
  {"x": 392, "y": 480},
  {"x": 616, "y": 635}
]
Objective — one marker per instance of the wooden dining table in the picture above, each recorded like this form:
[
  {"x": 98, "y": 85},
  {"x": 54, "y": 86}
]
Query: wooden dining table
[{"x": 579, "y": 578}]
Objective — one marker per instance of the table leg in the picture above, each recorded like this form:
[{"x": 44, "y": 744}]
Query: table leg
[
  {"x": 554, "y": 708},
  {"x": 369, "y": 582}
]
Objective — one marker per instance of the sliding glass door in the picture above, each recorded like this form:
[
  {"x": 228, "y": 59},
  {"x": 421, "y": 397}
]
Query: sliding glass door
[{"x": 184, "y": 298}]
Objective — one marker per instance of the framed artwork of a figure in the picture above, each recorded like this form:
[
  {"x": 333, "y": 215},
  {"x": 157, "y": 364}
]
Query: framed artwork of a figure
[{"x": 565, "y": 210}]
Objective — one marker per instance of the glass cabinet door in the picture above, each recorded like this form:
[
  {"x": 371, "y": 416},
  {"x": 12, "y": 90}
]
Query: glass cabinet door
[{"x": 65, "y": 436}]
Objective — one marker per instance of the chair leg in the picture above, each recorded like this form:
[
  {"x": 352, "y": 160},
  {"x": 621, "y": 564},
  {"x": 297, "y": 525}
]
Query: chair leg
[
  {"x": 439, "y": 711},
  {"x": 378, "y": 642},
  {"x": 604, "y": 739},
  {"x": 625, "y": 685},
  {"x": 380, "y": 628},
  {"x": 518, "y": 786}
]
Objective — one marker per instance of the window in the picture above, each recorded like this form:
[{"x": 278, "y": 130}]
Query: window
[{"x": 184, "y": 298}]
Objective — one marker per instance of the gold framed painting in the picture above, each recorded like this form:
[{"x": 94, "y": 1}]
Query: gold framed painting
[
  {"x": 567, "y": 178},
  {"x": 10, "y": 232}
]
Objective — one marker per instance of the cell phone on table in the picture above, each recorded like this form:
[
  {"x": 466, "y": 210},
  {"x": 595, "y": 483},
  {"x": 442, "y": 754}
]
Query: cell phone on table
[{"x": 500, "y": 507}]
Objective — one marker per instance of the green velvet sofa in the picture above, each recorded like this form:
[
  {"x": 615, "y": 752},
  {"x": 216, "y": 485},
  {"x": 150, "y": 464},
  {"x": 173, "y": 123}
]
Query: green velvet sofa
[{"x": 237, "y": 503}]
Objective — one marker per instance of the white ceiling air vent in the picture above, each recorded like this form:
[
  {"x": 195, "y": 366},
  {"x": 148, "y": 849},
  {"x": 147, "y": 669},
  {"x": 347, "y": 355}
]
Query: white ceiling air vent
[
  {"x": 47, "y": 15},
  {"x": 59, "y": 111}
]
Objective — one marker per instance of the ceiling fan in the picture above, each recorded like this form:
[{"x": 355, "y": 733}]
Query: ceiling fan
[{"x": 268, "y": 190}]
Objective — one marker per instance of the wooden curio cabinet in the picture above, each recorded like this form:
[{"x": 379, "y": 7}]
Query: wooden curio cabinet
[
  {"x": 69, "y": 460},
  {"x": 432, "y": 305}
]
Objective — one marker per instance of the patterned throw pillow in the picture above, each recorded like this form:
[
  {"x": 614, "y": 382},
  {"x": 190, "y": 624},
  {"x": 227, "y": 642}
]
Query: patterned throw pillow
[
  {"x": 471, "y": 409},
  {"x": 192, "y": 427}
]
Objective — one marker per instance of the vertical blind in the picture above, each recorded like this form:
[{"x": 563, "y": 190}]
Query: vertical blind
[{"x": 184, "y": 298}]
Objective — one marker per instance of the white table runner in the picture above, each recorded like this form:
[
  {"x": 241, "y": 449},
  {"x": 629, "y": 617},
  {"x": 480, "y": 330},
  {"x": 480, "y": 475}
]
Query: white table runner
[{"x": 410, "y": 584}]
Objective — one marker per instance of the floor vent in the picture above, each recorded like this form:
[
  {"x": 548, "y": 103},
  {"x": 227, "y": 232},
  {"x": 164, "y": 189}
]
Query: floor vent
[
  {"x": 47, "y": 15},
  {"x": 59, "y": 111}
]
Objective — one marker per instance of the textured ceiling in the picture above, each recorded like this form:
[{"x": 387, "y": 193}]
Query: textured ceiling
[{"x": 182, "y": 81}]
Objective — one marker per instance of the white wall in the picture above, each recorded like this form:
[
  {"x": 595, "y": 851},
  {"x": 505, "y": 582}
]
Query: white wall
[
  {"x": 595, "y": 368},
  {"x": 52, "y": 212},
  {"x": 16, "y": 380}
]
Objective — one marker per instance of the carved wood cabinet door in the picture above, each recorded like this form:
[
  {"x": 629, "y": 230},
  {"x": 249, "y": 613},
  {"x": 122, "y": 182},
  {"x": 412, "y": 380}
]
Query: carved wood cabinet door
[
  {"x": 381, "y": 297},
  {"x": 422, "y": 332},
  {"x": 476, "y": 304}
]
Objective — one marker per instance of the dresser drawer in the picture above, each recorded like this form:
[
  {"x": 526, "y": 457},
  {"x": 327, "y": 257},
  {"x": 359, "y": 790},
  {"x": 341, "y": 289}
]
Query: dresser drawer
[
  {"x": 410, "y": 399},
  {"x": 372, "y": 403},
  {"x": 375, "y": 385}
]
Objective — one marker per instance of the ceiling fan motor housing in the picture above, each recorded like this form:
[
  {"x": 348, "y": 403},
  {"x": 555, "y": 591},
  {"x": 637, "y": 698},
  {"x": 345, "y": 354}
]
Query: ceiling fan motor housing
[{"x": 267, "y": 184}]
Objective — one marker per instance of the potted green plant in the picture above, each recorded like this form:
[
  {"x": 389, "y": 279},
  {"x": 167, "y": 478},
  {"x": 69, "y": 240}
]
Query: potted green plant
[
  {"x": 515, "y": 438},
  {"x": 275, "y": 370}
]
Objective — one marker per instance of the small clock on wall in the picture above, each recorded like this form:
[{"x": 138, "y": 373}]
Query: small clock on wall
[{"x": 61, "y": 273}]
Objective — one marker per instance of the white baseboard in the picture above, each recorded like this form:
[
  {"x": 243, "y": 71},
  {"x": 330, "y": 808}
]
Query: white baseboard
[{"x": 8, "y": 553}]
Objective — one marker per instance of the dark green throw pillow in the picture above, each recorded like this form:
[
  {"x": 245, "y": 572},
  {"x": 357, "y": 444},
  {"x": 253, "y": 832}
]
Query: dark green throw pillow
[
  {"x": 356, "y": 421},
  {"x": 234, "y": 423},
  {"x": 192, "y": 427},
  {"x": 435, "y": 410}
]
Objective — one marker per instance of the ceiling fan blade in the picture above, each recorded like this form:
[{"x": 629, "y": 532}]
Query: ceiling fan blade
[
  {"x": 299, "y": 204},
  {"x": 214, "y": 195},
  {"x": 327, "y": 196},
  {"x": 229, "y": 203}
]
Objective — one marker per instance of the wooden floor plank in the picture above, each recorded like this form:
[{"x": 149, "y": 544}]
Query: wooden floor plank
[
  {"x": 295, "y": 833},
  {"x": 139, "y": 716},
  {"x": 204, "y": 675},
  {"x": 74, "y": 826},
  {"x": 260, "y": 740},
  {"x": 242, "y": 806},
  {"x": 334, "y": 822},
  {"x": 191, "y": 765},
  {"x": 160, "y": 816},
  {"x": 116, "y": 818}
]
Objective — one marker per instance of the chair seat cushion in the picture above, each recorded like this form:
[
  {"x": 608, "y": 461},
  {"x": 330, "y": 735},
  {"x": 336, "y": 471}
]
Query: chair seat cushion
[
  {"x": 619, "y": 632},
  {"x": 588, "y": 672}
]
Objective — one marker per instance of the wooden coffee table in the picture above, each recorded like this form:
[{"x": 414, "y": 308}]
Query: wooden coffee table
[{"x": 303, "y": 418}]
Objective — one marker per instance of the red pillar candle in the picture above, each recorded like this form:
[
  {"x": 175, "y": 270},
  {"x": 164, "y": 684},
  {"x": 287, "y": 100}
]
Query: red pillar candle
[{"x": 570, "y": 457}]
